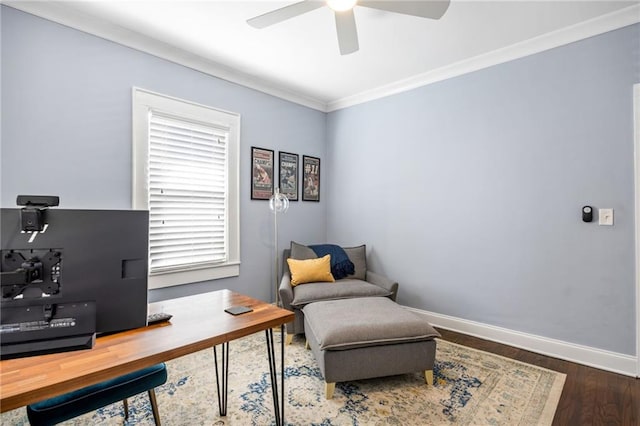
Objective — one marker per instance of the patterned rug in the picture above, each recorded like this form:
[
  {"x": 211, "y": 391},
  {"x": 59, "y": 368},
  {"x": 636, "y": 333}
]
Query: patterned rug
[{"x": 471, "y": 388}]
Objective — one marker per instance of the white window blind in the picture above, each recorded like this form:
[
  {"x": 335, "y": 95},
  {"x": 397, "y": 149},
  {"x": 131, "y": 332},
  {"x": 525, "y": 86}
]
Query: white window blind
[
  {"x": 187, "y": 194},
  {"x": 186, "y": 162}
]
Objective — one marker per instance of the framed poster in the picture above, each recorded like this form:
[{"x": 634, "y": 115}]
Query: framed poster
[
  {"x": 288, "y": 175},
  {"x": 310, "y": 178},
  {"x": 261, "y": 173}
]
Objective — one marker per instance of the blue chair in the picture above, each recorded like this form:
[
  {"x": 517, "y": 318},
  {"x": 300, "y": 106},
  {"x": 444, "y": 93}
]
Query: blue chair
[{"x": 81, "y": 401}]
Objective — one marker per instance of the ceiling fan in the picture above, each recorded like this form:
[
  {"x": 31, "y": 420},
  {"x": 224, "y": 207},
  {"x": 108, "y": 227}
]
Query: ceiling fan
[{"x": 345, "y": 20}]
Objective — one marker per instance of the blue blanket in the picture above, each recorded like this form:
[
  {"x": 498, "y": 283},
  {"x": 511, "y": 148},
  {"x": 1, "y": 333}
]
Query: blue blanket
[{"x": 341, "y": 266}]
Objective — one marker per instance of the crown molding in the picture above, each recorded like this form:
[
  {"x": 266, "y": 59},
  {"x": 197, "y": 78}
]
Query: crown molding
[
  {"x": 602, "y": 24},
  {"x": 57, "y": 12}
]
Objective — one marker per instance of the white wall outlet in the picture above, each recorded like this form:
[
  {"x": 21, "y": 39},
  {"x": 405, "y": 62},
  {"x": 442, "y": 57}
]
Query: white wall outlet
[{"x": 605, "y": 217}]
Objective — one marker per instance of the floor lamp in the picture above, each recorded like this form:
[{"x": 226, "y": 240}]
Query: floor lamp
[{"x": 278, "y": 203}]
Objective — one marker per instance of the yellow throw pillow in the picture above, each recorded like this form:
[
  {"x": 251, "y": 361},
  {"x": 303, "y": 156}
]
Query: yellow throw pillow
[{"x": 310, "y": 270}]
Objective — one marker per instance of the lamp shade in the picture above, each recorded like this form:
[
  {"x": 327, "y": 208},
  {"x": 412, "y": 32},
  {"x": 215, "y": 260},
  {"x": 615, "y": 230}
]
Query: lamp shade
[{"x": 278, "y": 203}]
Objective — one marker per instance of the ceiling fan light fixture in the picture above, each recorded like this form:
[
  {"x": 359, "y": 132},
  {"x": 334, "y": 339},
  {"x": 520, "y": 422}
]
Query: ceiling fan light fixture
[
  {"x": 345, "y": 18},
  {"x": 341, "y": 5}
]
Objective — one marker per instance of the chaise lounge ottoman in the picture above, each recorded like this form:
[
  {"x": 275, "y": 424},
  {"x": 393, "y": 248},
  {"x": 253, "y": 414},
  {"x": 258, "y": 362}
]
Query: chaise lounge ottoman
[{"x": 363, "y": 338}]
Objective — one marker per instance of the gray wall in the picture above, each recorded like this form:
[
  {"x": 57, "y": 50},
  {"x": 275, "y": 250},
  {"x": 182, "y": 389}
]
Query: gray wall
[
  {"x": 66, "y": 130},
  {"x": 469, "y": 192}
]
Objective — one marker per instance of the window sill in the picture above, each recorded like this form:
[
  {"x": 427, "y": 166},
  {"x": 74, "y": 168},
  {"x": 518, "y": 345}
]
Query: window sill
[{"x": 190, "y": 277}]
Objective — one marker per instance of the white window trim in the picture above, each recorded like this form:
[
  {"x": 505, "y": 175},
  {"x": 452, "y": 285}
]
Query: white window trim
[{"x": 142, "y": 102}]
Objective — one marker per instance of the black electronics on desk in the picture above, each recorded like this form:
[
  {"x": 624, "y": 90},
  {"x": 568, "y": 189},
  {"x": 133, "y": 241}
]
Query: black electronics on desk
[{"x": 69, "y": 274}]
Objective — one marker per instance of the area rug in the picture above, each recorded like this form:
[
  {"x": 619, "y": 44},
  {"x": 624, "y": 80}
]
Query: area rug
[{"x": 471, "y": 388}]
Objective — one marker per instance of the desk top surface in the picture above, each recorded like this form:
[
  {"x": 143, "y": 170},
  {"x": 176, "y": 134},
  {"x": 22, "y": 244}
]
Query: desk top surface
[{"x": 198, "y": 322}]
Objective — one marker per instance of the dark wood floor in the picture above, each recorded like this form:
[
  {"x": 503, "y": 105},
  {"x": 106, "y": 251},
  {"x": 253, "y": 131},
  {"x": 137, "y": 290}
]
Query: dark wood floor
[{"x": 589, "y": 397}]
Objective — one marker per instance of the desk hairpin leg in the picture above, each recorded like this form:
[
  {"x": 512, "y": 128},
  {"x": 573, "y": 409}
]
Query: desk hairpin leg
[
  {"x": 222, "y": 377},
  {"x": 278, "y": 401},
  {"x": 222, "y": 394}
]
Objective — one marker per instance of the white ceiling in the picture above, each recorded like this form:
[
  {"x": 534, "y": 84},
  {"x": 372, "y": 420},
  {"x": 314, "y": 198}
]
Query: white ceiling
[{"x": 299, "y": 60}]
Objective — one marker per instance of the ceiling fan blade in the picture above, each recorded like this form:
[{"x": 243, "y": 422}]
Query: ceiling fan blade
[
  {"x": 284, "y": 13},
  {"x": 433, "y": 9},
  {"x": 347, "y": 32}
]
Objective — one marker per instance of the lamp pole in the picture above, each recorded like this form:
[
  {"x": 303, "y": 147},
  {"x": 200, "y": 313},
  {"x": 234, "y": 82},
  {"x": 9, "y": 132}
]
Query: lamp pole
[{"x": 278, "y": 203}]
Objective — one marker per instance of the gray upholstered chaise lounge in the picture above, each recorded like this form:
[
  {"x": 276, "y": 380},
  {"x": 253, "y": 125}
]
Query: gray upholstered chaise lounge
[
  {"x": 363, "y": 283},
  {"x": 353, "y": 325}
]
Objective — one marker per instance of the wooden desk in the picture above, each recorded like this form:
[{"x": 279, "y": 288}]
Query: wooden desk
[{"x": 199, "y": 322}]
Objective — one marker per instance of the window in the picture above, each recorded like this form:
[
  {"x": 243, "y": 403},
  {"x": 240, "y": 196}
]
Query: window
[{"x": 185, "y": 172}]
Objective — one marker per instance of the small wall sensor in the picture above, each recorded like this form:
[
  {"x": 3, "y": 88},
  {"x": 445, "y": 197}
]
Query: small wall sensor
[{"x": 587, "y": 214}]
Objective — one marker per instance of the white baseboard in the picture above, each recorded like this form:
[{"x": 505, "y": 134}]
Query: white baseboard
[{"x": 592, "y": 357}]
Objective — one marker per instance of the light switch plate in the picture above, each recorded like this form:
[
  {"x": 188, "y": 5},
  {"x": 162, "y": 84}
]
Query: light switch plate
[{"x": 605, "y": 217}]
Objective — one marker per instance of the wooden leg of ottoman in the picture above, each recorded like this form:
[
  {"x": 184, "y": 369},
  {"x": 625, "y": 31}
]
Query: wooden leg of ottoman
[
  {"x": 288, "y": 338},
  {"x": 428, "y": 377},
  {"x": 306, "y": 344},
  {"x": 328, "y": 389}
]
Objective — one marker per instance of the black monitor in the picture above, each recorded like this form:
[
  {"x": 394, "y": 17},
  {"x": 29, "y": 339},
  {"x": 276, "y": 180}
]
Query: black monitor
[{"x": 83, "y": 272}]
